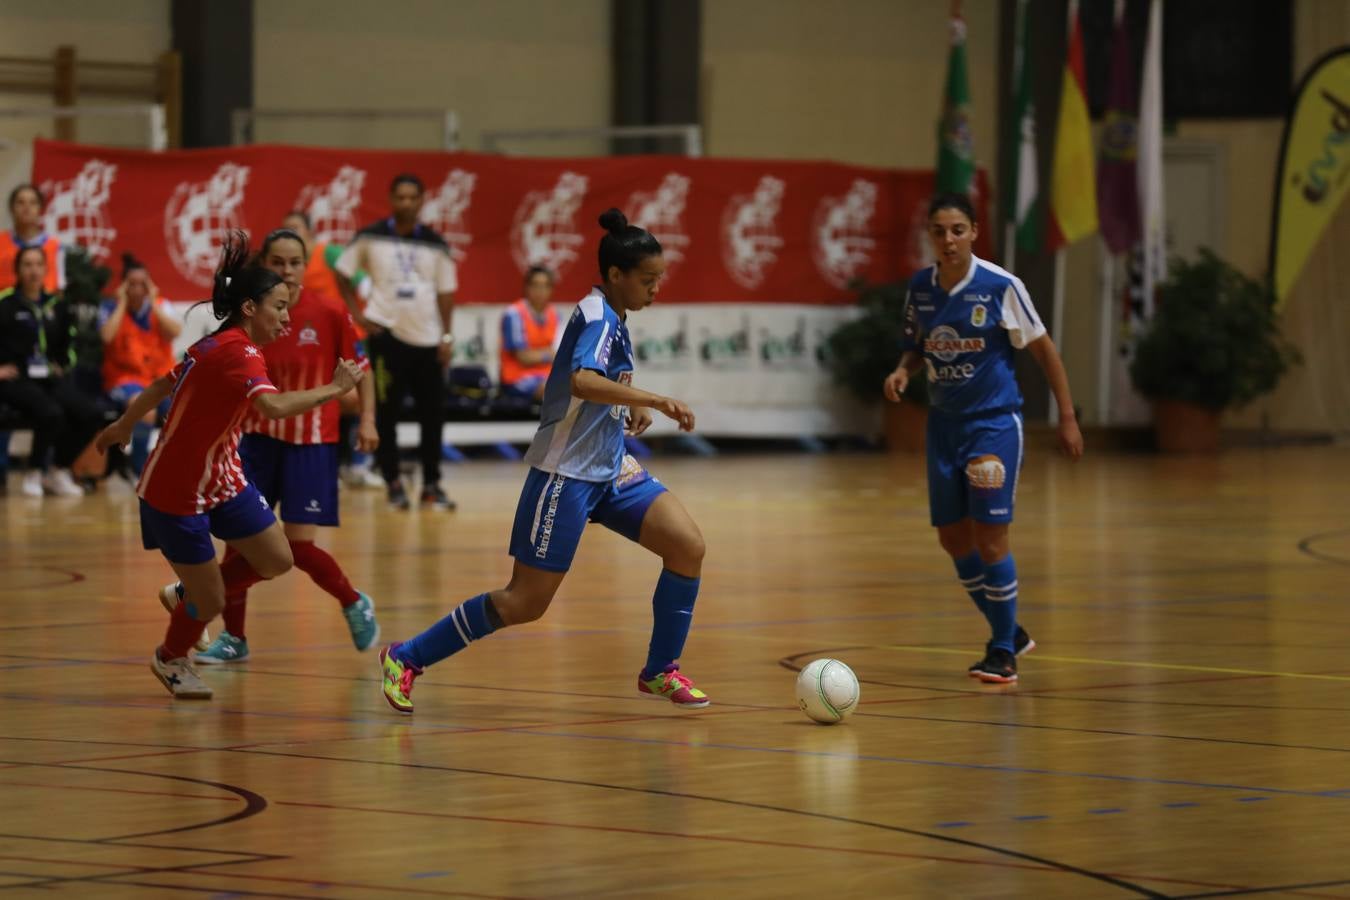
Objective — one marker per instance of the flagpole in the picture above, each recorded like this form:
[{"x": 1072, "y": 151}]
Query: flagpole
[
  {"x": 1105, "y": 310},
  {"x": 1057, "y": 323}
]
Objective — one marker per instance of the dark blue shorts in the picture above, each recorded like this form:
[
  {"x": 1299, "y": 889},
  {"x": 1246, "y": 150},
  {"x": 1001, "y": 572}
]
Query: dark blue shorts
[
  {"x": 187, "y": 539},
  {"x": 952, "y": 445},
  {"x": 554, "y": 509},
  {"x": 303, "y": 478}
]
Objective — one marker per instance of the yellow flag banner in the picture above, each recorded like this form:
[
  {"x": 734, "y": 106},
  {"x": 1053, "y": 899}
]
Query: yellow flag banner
[{"x": 1314, "y": 167}]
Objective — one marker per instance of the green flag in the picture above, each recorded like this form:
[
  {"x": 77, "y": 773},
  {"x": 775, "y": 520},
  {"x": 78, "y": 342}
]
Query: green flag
[
  {"x": 1020, "y": 203},
  {"x": 956, "y": 156}
]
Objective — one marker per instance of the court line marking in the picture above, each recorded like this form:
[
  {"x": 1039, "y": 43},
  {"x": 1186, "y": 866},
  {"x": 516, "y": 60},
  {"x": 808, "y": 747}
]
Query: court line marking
[{"x": 1129, "y": 663}]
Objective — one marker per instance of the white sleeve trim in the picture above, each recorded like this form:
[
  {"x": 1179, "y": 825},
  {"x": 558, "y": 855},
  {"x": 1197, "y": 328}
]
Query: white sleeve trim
[
  {"x": 264, "y": 387},
  {"x": 1019, "y": 315}
]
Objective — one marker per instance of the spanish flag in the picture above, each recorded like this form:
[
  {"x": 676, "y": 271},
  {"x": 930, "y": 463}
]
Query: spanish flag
[{"x": 1073, "y": 184}]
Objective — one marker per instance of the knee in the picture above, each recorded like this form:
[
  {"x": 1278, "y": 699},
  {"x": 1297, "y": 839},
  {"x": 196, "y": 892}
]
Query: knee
[
  {"x": 275, "y": 564},
  {"x": 991, "y": 549},
  {"x": 516, "y": 607},
  {"x": 688, "y": 552},
  {"x": 956, "y": 545}
]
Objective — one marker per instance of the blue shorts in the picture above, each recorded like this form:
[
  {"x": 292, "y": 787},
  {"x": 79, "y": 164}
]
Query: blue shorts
[
  {"x": 952, "y": 444},
  {"x": 303, "y": 478},
  {"x": 526, "y": 387},
  {"x": 554, "y": 509},
  {"x": 187, "y": 539}
]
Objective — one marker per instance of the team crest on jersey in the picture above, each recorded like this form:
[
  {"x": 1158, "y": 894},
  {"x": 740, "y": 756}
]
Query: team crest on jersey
[
  {"x": 76, "y": 208},
  {"x": 841, "y": 228},
  {"x": 946, "y": 344},
  {"x": 308, "y": 336},
  {"x": 545, "y": 230},
  {"x": 197, "y": 215},
  {"x": 750, "y": 240},
  {"x": 625, "y": 378},
  {"x": 251, "y": 350},
  {"x": 332, "y": 207},
  {"x": 446, "y": 209},
  {"x": 978, "y": 315},
  {"x": 659, "y": 212}
]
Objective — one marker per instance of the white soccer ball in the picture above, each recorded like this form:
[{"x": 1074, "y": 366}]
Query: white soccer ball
[{"x": 827, "y": 691}]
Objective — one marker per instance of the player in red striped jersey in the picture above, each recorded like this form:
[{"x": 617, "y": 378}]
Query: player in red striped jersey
[
  {"x": 294, "y": 462},
  {"x": 193, "y": 485}
]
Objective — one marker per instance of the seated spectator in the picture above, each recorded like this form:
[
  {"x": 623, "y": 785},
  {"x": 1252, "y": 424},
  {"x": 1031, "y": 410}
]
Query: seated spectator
[
  {"x": 138, "y": 332},
  {"x": 529, "y": 327},
  {"x": 35, "y": 331},
  {"x": 26, "y": 207}
]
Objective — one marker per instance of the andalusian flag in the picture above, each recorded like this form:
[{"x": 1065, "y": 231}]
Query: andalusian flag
[
  {"x": 1021, "y": 201},
  {"x": 1073, "y": 186},
  {"x": 956, "y": 150}
]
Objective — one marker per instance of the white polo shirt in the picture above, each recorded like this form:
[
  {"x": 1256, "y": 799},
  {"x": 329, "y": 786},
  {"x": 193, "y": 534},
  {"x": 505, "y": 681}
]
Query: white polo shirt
[{"x": 406, "y": 274}]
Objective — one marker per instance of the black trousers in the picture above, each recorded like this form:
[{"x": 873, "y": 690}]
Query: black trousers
[
  {"x": 62, "y": 416},
  {"x": 401, "y": 369}
]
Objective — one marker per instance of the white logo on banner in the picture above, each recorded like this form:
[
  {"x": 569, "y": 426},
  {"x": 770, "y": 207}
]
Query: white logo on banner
[
  {"x": 545, "y": 231},
  {"x": 332, "y": 207},
  {"x": 659, "y": 212},
  {"x": 197, "y": 216},
  {"x": 920, "y": 248},
  {"x": 750, "y": 241},
  {"x": 445, "y": 208},
  {"x": 76, "y": 208},
  {"x": 842, "y": 247}
]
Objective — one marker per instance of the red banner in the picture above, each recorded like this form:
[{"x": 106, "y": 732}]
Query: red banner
[{"x": 732, "y": 230}]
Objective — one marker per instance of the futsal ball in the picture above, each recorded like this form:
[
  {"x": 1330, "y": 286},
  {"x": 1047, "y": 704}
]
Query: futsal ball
[{"x": 827, "y": 691}]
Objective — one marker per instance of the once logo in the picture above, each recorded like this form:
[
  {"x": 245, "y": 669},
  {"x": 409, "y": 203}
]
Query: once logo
[
  {"x": 197, "y": 215},
  {"x": 750, "y": 241},
  {"x": 659, "y": 212},
  {"x": 332, "y": 207},
  {"x": 842, "y": 236},
  {"x": 446, "y": 209},
  {"x": 77, "y": 209},
  {"x": 545, "y": 230}
]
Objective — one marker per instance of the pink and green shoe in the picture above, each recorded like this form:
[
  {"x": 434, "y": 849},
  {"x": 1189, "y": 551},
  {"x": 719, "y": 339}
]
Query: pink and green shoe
[{"x": 675, "y": 687}]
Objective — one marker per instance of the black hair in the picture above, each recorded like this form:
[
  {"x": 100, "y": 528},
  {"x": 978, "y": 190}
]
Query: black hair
[
  {"x": 238, "y": 280},
  {"x": 18, "y": 257},
  {"x": 302, "y": 216},
  {"x": 625, "y": 246},
  {"x": 538, "y": 270},
  {"x": 280, "y": 234},
  {"x": 26, "y": 186},
  {"x": 130, "y": 264},
  {"x": 407, "y": 178},
  {"x": 952, "y": 200}
]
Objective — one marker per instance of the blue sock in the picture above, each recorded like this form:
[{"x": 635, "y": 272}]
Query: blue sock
[
  {"x": 140, "y": 446},
  {"x": 672, "y": 614},
  {"x": 1000, "y": 589},
  {"x": 970, "y": 569},
  {"x": 466, "y": 623}
]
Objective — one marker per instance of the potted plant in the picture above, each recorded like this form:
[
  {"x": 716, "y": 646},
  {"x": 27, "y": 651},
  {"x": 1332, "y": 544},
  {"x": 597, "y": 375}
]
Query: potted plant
[
  {"x": 1213, "y": 343},
  {"x": 864, "y": 350}
]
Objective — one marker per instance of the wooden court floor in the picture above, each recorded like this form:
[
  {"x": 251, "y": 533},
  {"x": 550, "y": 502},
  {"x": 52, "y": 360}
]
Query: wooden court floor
[{"x": 1183, "y": 729}]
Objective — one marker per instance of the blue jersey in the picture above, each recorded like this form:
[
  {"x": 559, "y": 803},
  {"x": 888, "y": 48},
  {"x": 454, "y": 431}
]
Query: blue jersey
[
  {"x": 967, "y": 337},
  {"x": 576, "y": 437}
]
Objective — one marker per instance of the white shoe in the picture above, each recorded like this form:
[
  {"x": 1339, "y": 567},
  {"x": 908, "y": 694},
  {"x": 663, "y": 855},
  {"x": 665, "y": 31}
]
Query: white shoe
[
  {"x": 60, "y": 483},
  {"x": 168, "y": 595},
  {"x": 180, "y": 678},
  {"x": 363, "y": 477},
  {"x": 32, "y": 484}
]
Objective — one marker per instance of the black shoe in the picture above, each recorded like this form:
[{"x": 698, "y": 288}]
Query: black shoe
[
  {"x": 998, "y": 667},
  {"x": 398, "y": 497},
  {"x": 435, "y": 497},
  {"x": 1022, "y": 643}
]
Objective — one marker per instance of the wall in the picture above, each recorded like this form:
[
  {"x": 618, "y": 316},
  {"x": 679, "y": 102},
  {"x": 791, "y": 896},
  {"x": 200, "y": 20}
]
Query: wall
[
  {"x": 859, "y": 81},
  {"x": 500, "y": 64}
]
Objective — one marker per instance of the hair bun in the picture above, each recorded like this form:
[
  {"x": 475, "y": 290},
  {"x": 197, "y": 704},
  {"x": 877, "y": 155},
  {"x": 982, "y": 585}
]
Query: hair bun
[{"x": 613, "y": 221}]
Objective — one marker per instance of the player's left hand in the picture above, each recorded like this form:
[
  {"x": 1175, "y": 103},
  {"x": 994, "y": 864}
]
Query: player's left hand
[
  {"x": 116, "y": 433},
  {"x": 1070, "y": 438},
  {"x": 367, "y": 438},
  {"x": 444, "y": 353},
  {"x": 639, "y": 420}
]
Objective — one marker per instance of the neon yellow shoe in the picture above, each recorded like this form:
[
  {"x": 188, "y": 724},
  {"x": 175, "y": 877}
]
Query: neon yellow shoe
[
  {"x": 671, "y": 685},
  {"x": 398, "y": 680}
]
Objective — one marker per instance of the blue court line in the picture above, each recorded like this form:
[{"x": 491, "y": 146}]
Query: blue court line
[
  {"x": 1185, "y": 804},
  {"x": 1036, "y": 818},
  {"x": 1106, "y": 812},
  {"x": 943, "y": 764},
  {"x": 429, "y": 874},
  {"x": 1252, "y": 799},
  {"x": 954, "y": 824},
  {"x": 1041, "y": 817}
]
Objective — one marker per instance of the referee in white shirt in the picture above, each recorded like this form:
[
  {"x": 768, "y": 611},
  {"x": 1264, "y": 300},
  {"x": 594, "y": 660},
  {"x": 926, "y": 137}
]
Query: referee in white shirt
[{"x": 408, "y": 316}]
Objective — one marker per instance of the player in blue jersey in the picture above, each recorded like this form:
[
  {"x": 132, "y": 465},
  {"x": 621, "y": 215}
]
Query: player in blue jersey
[
  {"x": 963, "y": 319},
  {"x": 579, "y": 473}
]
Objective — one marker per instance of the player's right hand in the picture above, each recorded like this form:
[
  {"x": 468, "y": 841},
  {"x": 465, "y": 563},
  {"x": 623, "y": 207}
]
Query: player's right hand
[
  {"x": 896, "y": 382},
  {"x": 674, "y": 409},
  {"x": 116, "y": 433},
  {"x": 347, "y": 375}
]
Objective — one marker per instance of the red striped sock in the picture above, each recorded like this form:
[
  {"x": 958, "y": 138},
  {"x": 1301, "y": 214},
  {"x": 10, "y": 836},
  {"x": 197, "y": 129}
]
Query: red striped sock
[{"x": 319, "y": 565}]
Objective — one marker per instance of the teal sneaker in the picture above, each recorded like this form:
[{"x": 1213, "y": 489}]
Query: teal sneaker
[
  {"x": 361, "y": 622},
  {"x": 225, "y": 649}
]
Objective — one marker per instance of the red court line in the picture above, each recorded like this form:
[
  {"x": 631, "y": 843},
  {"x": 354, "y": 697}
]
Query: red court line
[
  {"x": 325, "y": 883},
  {"x": 77, "y": 862},
  {"x": 79, "y": 787},
  {"x": 174, "y": 752}
]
